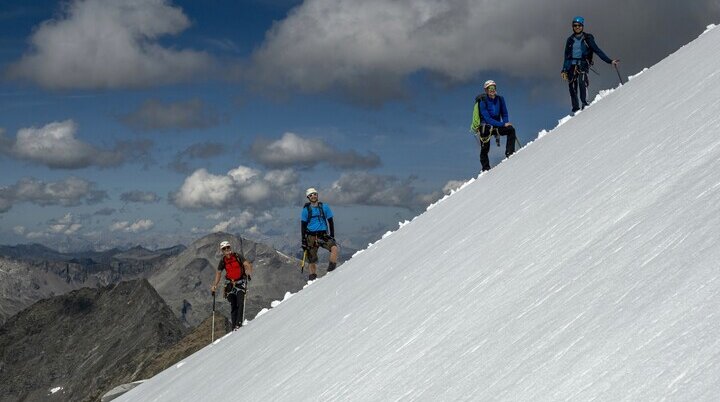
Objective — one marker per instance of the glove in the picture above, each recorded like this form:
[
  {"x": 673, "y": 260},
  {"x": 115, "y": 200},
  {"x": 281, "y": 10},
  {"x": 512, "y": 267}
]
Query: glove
[
  {"x": 564, "y": 75},
  {"x": 304, "y": 244}
]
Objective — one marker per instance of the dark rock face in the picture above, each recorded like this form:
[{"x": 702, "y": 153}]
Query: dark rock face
[
  {"x": 86, "y": 342},
  {"x": 184, "y": 281}
]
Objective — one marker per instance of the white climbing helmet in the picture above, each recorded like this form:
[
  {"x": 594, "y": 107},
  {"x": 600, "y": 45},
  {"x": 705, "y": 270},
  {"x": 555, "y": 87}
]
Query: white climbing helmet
[
  {"x": 224, "y": 244},
  {"x": 488, "y": 83},
  {"x": 310, "y": 191}
]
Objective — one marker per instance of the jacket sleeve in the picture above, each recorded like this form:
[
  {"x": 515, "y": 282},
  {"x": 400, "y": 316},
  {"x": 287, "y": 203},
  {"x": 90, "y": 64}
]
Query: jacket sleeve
[
  {"x": 504, "y": 110},
  {"x": 303, "y": 229},
  {"x": 566, "y": 60},
  {"x": 475, "y": 125},
  {"x": 486, "y": 116},
  {"x": 331, "y": 225},
  {"x": 591, "y": 42},
  {"x": 221, "y": 264}
]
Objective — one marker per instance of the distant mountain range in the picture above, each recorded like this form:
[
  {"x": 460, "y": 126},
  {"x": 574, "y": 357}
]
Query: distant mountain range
[{"x": 29, "y": 273}]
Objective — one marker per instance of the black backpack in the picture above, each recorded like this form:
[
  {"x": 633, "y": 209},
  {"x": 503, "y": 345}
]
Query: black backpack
[
  {"x": 591, "y": 53},
  {"x": 310, "y": 215}
]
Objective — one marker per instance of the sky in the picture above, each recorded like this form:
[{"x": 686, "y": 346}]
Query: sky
[
  {"x": 597, "y": 279},
  {"x": 155, "y": 122}
]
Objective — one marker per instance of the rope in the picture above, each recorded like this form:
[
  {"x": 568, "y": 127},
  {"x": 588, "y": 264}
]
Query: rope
[{"x": 485, "y": 140}]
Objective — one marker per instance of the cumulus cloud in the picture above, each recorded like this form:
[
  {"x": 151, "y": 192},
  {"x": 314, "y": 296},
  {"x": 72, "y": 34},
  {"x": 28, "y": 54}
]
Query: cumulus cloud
[
  {"x": 293, "y": 150},
  {"x": 360, "y": 188},
  {"x": 241, "y": 187},
  {"x": 141, "y": 225},
  {"x": 55, "y": 146},
  {"x": 66, "y": 225},
  {"x": 69, "y": 192},
  {"x": 186, "y": 115},
  {"x": 146, "y": 197},
  {"x": 366, "y": 49},
  {"x": 245, "y": 220},
  {"x": 181, "y": 161},
  {"x": 109, "y": 44}
]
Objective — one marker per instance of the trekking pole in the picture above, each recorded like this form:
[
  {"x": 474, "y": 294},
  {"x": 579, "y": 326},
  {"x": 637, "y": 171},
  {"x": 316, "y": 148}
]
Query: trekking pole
[
  {"x": 212, "y": 331},
  {"x": 242, "y": 322},
  {"x": 618, "y": 73}
]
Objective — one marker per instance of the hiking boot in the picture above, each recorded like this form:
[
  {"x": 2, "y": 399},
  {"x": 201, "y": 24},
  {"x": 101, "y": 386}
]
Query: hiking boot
[
  {"x": 331, "y": 266},
  {"x": 312, "y": 277}
]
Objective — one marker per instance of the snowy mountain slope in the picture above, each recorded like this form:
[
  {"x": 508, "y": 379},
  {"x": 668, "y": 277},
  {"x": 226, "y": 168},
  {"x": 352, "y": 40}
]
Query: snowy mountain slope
[{"x": 585, "y": 267}]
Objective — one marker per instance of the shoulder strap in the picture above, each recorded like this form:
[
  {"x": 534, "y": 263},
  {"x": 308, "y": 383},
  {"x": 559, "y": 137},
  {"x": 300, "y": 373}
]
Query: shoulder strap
[
  {"x": 322, "y": 212},
  {"x": 309, "y": 212}
]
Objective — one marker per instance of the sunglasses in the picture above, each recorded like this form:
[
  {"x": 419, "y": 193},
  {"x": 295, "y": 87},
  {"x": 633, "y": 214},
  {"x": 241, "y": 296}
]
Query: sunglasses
[
  {"x": 491, "y": 88},
  {"x": 311, "y": 194},
  {"x": 225, "y": 248},
  {"x": 577, "y": 25}
]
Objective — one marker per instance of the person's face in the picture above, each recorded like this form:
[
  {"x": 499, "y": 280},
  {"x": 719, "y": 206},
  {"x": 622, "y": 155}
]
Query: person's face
[
  {"x": 491, "y": 90},
  {"x": 226, "y": 250},
  {"x": 313, "y": 197},
  {"x": 577, "y": 28}
]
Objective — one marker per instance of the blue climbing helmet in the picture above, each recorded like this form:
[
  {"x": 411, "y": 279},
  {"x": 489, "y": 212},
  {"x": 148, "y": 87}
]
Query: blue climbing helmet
[{"x": 579, "y": 20}]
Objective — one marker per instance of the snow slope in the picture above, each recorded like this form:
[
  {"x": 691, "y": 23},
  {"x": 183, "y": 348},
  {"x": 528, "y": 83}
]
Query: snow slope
[{"x": 585, "y": 267}]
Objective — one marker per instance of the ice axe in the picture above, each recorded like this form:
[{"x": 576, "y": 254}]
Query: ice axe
[
  {"x": 618, "y": 73},
  {"x": 302, "y": 264}
]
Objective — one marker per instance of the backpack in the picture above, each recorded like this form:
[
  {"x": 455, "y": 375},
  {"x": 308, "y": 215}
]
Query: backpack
[
  {"x": 240, "y": 264},
  {"x": 480, "y": 98},
  {"x": 310, "y": 215},
  {"x": 591, "y": 53}
]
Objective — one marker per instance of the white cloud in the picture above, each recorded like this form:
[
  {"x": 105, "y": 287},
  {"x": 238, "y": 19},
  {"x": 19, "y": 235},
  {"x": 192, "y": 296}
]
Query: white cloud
[
  {"x": 294, "y": 150},
  {"x": 203, "y": 189},
  {"x": 366, "y": 49},
  {"x": 67, "y": 225},
  {"x": 55, "y": 145},
  {"x": 69, "y": 192},
  {"x": 20, "y": 230},
  {"x": 109, "y": 44},
  {"x": 245, "y": 221},
  {"x": 240, "y": 187},
  {"x": 141, "y": 225}
]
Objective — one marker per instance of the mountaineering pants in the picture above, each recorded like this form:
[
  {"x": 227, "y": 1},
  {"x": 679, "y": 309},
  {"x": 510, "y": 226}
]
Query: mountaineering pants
[
  {"x": 317, "y": 240},
  {"x": 485, "y": 145},
  {"x": 578, "y": 79},
  {"x": 235, "y": 294}
]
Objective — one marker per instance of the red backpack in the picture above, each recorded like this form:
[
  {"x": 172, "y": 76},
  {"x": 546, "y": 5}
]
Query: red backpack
[{"x": 234, "y": 270}]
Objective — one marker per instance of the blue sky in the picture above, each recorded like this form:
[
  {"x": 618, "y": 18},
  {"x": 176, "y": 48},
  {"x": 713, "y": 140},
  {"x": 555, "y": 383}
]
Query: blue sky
[{"x": 154, "y": 122}]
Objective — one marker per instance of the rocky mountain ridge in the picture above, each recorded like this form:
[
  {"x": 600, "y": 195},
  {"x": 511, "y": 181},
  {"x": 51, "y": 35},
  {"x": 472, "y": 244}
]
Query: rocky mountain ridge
[{"x": 79, "y": 345}]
